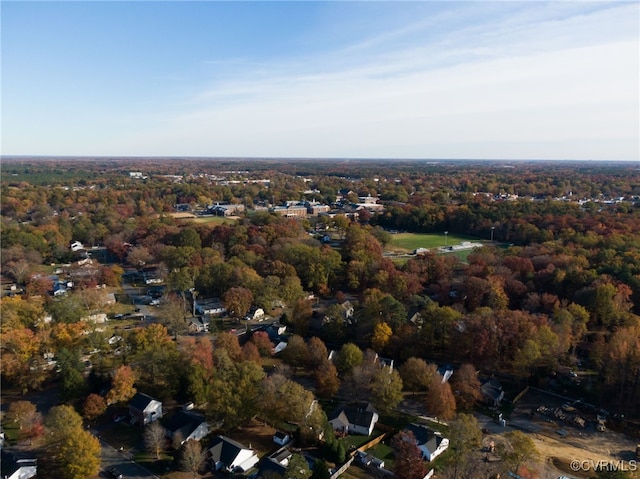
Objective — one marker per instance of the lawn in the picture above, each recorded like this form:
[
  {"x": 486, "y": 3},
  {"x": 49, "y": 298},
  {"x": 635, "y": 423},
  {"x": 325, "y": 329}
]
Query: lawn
[
  {"x": 408, "y": 242},
  {"x": 217, "y": 220},
  {"x": 384, "y": 452},
  {"x": 122, "y": 435}
]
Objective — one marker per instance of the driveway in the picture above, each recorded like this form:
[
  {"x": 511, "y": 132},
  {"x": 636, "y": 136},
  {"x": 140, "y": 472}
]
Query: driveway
[{"x": 123, "y": 461}]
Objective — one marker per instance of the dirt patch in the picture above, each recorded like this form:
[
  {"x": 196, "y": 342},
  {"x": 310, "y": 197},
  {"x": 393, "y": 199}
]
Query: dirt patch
[{"x": 256, "y": 435}]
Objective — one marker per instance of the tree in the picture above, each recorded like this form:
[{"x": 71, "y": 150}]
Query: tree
[
  {"x": 440, "y": 400},
  {"x": 122, "y": 385},
  {"x": 295, "y": 354},
  {"x": 297, "y": 468},
  {"x": 94, "y": 406},
  {"x": 155, "y": 438},
  {"x": 62, "y": 421},
  {"x": 229, "y": 342},
  {"x": 250, "y": 353},
  {"x": 466, "y": 384},
  {"x": 408, "y": 463},
  {"x": 320, "y": 470},
  {"x": 417, "y": 375},
  {"x": 22, "y": 413},
  {"x": 79, "y": 455},
  {"x": 316, "y": 352},
  {"x": 464, "y": 436},
  {"x": 327, "y": 381},
  {"x": 172, "y": 315},
  {"x": 262, "y": 342},
  {"x": 238, "y": 301},
  {"x": 386, "y": 390},
  {"x": 348, "y": 357},
  {"x": 192, "y": 458},
  {"x": 381, "y": 335},
  {"x": 71, "y": 367},
  {"x": 520, "y": 449}
]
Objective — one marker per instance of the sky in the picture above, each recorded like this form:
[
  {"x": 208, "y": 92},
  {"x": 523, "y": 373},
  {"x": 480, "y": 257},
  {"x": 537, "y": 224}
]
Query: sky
[{"x": 315, "y": 79}]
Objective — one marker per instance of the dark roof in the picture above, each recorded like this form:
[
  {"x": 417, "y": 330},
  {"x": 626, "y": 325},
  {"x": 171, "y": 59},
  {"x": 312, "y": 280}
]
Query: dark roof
[
  {"x": 184, "y": 423},
  {"x": 422, "y": 434},
  {"x": 140, "y": 401},
  {"x": 224, "y": 450},
  {"x": 491, "y": 388},
  {"x": 359, "y": 415},
  {"x": 9, "y": 463},
  {"x": 281, "y": 435}
]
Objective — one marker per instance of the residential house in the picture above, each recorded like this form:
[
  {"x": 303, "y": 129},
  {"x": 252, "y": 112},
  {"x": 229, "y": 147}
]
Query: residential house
[
  {"x": 275, "y": 331},
  {"x": 184, "y": 426},
  {"x": 227, "y": 454},
  {"x": 281, "y": 438},
  {"x": 430, "y": 443},
  {"x": 355, "y": 419},
  {"x": 257, "y": 313},
  {"x": 226, "y": 209},
  {"x": 12, "y": 467},
  {"x": 198, "y": 325},
  {"x": 212, "y": 306},
  {"x": 76, "y": 246},
  {"x": 347, "y": 309},
  {"x": 492, "y": 392},
  {"x": 144, "y": 409},
  {"x": 276, "y": 462}
]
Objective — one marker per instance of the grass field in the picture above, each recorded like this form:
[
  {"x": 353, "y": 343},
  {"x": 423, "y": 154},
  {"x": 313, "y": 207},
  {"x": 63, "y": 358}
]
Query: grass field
[
  {"x": 410, "y": 241},
  {"x": 216, "y": 220}
]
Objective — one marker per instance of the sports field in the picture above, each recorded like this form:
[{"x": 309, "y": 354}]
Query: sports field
[
  {"x": 408, "y": 242},
  {"x": 215, "y": 220}
]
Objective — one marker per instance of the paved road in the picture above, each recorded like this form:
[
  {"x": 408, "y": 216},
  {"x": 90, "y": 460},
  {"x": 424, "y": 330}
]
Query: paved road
[{"x": 130, "y": 469}]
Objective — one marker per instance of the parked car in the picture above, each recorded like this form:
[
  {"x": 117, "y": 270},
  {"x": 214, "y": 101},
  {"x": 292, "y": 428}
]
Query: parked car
[{"x": 114, "y": 472}]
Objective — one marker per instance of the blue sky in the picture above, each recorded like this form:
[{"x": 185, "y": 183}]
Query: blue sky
[{"x": 422, "y": 79}]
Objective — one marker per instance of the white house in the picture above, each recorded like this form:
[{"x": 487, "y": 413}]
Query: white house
[
  {"x": 430, "y": 443},
  {"x": 227, "y": 454},
  {"x": 76, "y": 246},
  {"x": 13, "y": 468},
  {"x": 144, "y": 409},
  {"x": 355, "y": 419},
  {"x": 187, "y": 425}
]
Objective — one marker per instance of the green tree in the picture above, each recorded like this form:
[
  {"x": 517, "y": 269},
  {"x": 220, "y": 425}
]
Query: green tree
[
  {"x": 320, "y": 470},
  {"x": 348, "y": 357},
  {"x": 297, "y": 468},
  {"x": 295, "y": 354},
  {"x": 417, "y": 375},
  {"x": 386, "y": 390},
  {"x": 520, "y": 449},
  {"x": 464, "y": 436}
]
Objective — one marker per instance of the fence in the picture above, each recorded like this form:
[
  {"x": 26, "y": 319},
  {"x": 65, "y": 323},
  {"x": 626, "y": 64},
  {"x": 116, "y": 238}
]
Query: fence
[
  {"x": 342, "y": 468},
  {"x": 520, "y": 395}
]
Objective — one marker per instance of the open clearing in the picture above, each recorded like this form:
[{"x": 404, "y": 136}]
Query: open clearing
[{"x": 408, "y": 242}]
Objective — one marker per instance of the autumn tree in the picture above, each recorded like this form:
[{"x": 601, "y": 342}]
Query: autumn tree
[
  {"x": 380, "y": 336},
  {"x": 262, "y": 342},
  {"x": 440, "y": 400},
  {"x": 155, "y": 438},
  {"x": 417, "y": 375},
  {"x": 327, "y": 381},
  {"x": 122, "y": 385},
  {"x": 94, "y": 406},
  {"x": 317, "y": 352},
  {"x": 408, "y": 462},
  {"x": 80, "y": 455},
  {"x": 238, "y": 301},
  {"x": 466, "y": 385},
  {"x": 22, "y": 413},
  {"x": 229, "y": 342}
]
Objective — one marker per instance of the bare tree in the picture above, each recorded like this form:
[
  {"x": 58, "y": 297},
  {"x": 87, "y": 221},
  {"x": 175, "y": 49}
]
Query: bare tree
[
  {"x": 155, "y": 438},
  {"x": 192, "y": 458}
]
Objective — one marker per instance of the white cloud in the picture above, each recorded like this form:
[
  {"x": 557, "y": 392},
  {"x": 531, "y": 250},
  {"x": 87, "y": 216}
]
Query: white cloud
[{"x": 549, "y": 81}]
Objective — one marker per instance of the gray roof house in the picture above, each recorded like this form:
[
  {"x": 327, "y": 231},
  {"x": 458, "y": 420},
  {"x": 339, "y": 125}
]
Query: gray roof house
[
  {"x": 227, "y": 454},
  {"x": 355, "y": 419},
  {"x": 492, "y": 392},
  {"x": 430, "y": 443},
  {"x": 144, "y": 409},
  {"x": 12, "y": 467},
  {"x": 187, "y": 425}
]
